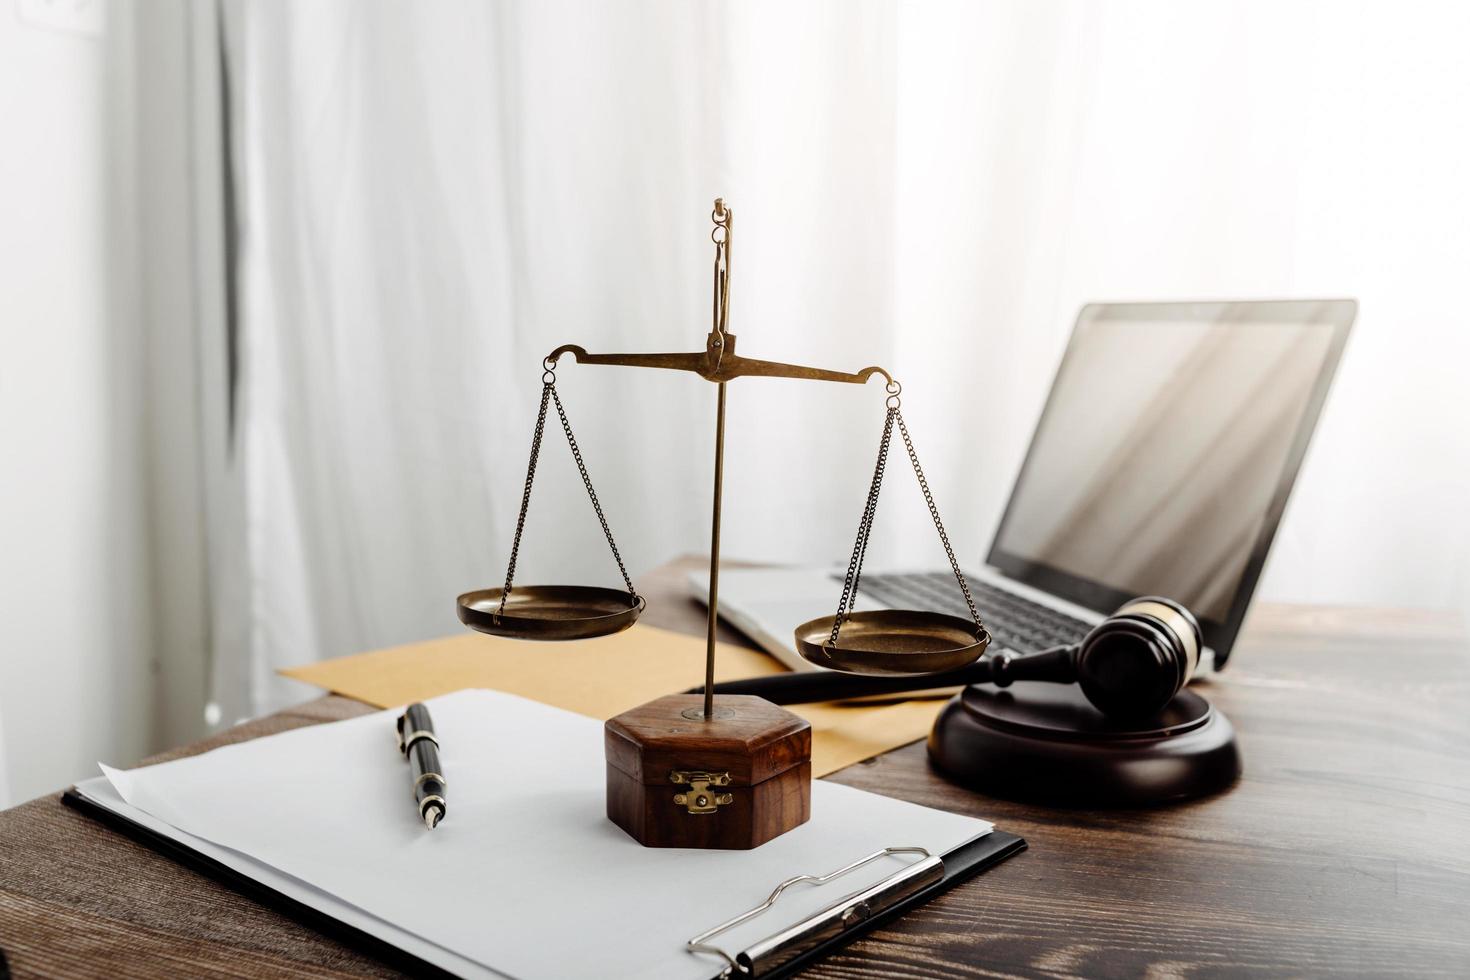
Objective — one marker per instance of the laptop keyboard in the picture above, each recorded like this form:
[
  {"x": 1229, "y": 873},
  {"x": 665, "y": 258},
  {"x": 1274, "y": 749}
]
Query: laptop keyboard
[{"x": 1014, "y": 622}]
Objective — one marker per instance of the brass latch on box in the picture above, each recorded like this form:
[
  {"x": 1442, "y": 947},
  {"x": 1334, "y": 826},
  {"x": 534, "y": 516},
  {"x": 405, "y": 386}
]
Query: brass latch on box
[{"x": 700, "y": 798}]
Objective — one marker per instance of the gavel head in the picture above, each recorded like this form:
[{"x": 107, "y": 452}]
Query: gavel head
[{"x": 1133, "y": 663}]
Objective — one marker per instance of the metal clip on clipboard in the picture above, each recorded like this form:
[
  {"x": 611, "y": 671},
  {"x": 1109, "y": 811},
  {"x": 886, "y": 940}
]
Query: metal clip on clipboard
[{"x": 766, "y": 955}]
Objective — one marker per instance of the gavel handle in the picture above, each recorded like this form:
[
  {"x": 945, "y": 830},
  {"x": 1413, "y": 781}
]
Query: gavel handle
[{"x": 1058, "y": 665}]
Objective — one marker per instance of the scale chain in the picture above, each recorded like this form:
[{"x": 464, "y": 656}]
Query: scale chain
[
  {"x": 865, "y": 527},
  {"x": 515, "y": 547},
  {"x": 867, "y": 533},
  {"x": 938, "y": 524},
  {"x": 587, "y": 482},
  {"x": 548, "y": 395}
]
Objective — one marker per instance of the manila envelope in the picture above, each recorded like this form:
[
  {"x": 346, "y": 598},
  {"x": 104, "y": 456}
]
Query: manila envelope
[{"x": 606, "y": 676}]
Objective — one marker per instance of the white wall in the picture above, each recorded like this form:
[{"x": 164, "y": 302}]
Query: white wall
[
  {"x": 75, "y": 609},
  {"x": 1165, "y": 150}
]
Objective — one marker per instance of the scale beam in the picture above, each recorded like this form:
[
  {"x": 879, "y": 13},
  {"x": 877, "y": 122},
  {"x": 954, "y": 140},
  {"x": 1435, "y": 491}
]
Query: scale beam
[{"x": 719, "y": 363}]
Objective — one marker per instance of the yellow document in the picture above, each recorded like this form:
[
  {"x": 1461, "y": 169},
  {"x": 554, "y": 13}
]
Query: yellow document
[{"x": 604, "y": 677}]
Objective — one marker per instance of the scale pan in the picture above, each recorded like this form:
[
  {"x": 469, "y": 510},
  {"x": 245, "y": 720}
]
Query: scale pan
[
  {"x": 551, "y": 612},
  {"x": 893, "y": 641}
]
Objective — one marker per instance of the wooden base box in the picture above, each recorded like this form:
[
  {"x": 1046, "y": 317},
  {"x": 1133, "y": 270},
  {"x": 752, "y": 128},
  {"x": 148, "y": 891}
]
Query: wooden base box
[{"x": 676, "y": 780}]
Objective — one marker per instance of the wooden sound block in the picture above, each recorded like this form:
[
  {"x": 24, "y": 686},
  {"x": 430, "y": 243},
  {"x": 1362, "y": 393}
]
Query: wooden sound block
[
  {"x": 734, "y": 782},
  {"x": 1045, "y": 743}
]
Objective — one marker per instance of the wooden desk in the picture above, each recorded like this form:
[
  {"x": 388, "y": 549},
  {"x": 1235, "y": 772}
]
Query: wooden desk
[{"x": 1344, "y": 850}]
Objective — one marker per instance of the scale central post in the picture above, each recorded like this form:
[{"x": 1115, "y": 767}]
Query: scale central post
[
  {"x": 724, "y": 219},
  {"x": 714, "y": 558}
]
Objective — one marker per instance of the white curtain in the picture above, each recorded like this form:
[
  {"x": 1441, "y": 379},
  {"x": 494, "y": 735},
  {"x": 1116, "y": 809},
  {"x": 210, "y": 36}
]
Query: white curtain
[{"x": 430, "y": 197}]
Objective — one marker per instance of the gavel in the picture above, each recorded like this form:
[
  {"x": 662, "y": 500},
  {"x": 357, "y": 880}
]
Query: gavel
[{"x": 1129, "y": 666}]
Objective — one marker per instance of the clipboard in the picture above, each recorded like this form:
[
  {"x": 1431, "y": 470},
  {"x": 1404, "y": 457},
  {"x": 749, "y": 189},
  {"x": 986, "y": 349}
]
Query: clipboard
[
  {"x": 789, "y": 950},
  {"x": 779, "y": 955}
]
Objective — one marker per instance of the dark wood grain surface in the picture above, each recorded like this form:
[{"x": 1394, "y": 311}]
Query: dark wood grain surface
[{"x": 1344, "y": 850}]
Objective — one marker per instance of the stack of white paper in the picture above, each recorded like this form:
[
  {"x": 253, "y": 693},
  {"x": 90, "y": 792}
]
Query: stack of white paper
[{"x": 526, "y": 876}]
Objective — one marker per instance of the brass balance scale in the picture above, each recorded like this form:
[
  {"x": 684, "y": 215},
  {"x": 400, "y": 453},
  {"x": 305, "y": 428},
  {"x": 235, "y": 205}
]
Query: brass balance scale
[{"x": 730, "y": 771}]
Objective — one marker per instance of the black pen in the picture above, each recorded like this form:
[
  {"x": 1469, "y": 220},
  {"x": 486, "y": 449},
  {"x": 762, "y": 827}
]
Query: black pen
[{"x": 416, "y": 740}]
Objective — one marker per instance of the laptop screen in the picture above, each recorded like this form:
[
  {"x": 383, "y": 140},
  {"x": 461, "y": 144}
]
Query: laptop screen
[{"x": 1164, "y": 455}]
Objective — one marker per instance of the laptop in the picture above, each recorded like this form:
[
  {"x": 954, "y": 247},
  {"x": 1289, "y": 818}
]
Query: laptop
[{"x": 1161, "y": 465}]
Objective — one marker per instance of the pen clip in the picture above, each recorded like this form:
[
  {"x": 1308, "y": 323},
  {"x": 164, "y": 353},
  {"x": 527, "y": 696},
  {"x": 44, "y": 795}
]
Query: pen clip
[{"x": 406, "y": 736}]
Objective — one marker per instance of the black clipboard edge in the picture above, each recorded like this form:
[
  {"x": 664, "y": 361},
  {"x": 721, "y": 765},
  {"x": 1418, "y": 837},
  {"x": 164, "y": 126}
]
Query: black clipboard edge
[
  {"x": 350, "y": 936},
  {"x": 962, "y": 863}
]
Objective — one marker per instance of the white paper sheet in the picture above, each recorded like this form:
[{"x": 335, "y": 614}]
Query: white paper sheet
[
  {"x": 526, "y": 875},
  {"x": 100, "y": 791}
]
